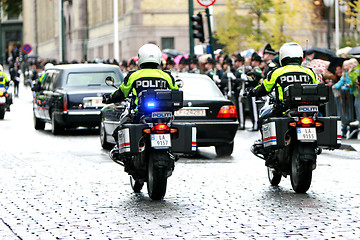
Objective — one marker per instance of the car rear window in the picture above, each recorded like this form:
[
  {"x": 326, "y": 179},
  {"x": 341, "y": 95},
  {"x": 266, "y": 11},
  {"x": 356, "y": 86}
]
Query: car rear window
[
  {"x": 90, "y": 78},
  {"x": 200, "y": 88}
]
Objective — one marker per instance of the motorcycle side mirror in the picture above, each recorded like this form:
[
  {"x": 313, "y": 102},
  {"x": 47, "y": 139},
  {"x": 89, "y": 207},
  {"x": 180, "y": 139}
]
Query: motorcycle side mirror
[
  {"x": 179, "y": 83},
  {"x": 110, "y": 81}
]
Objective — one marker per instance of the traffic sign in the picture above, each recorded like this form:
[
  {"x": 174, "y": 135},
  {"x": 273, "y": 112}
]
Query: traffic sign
[
  {"x": 206, "y": 3},
  {"x": 26, "y": 48}
]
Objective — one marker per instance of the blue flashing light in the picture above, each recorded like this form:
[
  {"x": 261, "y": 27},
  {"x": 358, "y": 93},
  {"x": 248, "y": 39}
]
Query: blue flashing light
[{"x": 151, "y": 104}]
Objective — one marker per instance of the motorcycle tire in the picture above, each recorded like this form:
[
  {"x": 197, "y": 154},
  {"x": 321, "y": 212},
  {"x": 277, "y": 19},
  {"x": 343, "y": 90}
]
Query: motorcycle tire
[
  {"x": 103, "y": 141},
  {"x": 157, "y": 176},
  {"x": 302, "y": 161},
  {"x": 274, "y": 176},
  {"x": 136, "y": 185},
  {"x": 2, "y": 113}
]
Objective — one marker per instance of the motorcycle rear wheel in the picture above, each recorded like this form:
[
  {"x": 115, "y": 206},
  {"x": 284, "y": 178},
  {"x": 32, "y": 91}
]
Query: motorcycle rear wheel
[
  {"x": 157, "y": 176},
  {"x": 301, "y": 167},
  {"x": 2, "y": 113},
  {"x": 274, "y": 176}
]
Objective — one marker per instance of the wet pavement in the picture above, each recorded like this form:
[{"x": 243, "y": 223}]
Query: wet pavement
[{"x": 66, "y": 187}]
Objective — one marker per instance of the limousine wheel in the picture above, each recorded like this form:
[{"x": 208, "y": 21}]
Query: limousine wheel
[
  {"x": 55, "y": 127},
  {"x": 38, "y": 124}
]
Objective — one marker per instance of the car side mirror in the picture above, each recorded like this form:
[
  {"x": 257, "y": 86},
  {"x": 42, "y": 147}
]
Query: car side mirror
[
  {"x": 179, "y": 83},
  {"x": 110, "y": 81}
]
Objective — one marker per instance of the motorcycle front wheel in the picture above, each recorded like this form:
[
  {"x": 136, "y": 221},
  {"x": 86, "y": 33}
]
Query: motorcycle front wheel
[
  {"x": 274, "y": 176},
  {"x": 157, "y": 176},
  {"x": 302, "y": 161}
]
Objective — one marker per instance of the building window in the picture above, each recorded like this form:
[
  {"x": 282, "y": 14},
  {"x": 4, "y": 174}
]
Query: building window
[
  {"x": 100, "y": 52},
  {"x": 111, "y": 51},
  {"x": 167, "y": 42}
]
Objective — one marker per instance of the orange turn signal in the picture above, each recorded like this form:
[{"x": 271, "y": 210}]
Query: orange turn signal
[
  {"x": 173, "y": 130},
  {"x": 318, "y": 124},
  {"x": 147, "y": 130},
  {"x": 292, "y": 124}
]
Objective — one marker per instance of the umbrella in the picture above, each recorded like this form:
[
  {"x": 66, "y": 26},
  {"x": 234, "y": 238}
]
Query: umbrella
[
  {"x": 343, "y": 51},
  {"x": 323, "y": 53},
  {"x": 319, "y": 67},
  {"x": 179, "y": 57},
  {"x": 164, "y": 56},
  {"x": 171, "y": 52},
  {"x": 203, "y": 58},
  {"x": 354, "y": 51}
]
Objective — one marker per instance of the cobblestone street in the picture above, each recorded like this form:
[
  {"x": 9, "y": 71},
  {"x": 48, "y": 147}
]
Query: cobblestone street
[{"x": 66, "y": 187}]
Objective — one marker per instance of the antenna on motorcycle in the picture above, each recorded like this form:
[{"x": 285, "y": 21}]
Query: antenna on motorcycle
[{"x": 110, "y": 81}]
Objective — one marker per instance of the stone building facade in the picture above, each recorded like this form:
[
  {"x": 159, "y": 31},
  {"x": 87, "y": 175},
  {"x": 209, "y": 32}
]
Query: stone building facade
[
  {"x": 89, "y": 30},
  {"x": 89, "y": 26}
]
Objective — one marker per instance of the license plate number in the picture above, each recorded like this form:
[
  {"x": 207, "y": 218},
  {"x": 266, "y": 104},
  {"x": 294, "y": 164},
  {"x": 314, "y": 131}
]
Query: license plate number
[
  {"x": 93, "y": 102},
  {"x": 2, "y": 99},
  {"x": 160, "y": 140},
  {"x": 306, "y": 134},
  {"x": 191, "y": 112}
]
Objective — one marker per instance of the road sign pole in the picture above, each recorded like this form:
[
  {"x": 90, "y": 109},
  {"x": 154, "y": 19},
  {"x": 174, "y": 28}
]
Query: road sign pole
[
  {"x": 191, "y": 31},
  {"x": 211, "y": 40}
]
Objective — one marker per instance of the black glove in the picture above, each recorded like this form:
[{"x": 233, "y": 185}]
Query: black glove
[
  {"x": 251, "y": 92},
  {"x": 107, "y": 98}
]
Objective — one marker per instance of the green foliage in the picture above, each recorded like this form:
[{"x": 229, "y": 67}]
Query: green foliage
[
  {"x": 232, "y": 29},
  {"x": 267, "y": 21},
  {"x": 348, "y": 41},
  {"x": 12, "y": 8},
  {"x": 354, "y": 16}
]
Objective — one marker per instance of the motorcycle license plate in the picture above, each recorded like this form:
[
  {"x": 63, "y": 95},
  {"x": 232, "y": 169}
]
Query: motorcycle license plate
[
  {"x": 2, "y": 99},
  {"x": 306, "y": 134},
  {"x": 160, "y": 140}
]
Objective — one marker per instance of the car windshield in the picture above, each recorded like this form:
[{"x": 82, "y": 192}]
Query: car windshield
[
  {"x": 90, "y": 78},
  {"x": 200, "y": 88}
]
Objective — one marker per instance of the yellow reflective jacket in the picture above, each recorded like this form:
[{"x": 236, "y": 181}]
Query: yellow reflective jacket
[
  {"x": 282, "y": 77},
  {"x": 4, "y": 81},
  {"x": 139, "y": 80}
]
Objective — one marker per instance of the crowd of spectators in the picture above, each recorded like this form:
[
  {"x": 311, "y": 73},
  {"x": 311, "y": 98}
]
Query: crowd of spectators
[{"x": 341, "y": 73}]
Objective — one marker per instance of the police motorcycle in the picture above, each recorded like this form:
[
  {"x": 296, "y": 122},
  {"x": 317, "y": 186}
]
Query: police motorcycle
[
  {"x": 148, "y": 140},
  {"x": 5, "y": 101},
  {"x": 290, "y": 143}
]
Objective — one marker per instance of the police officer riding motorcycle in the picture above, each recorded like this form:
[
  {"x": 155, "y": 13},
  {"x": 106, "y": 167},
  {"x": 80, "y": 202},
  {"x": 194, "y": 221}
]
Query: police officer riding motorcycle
[
  {"x": 146, "y": 134},
  {"x": 291, "y": 128},
  {"x": 5, "y": 97}
]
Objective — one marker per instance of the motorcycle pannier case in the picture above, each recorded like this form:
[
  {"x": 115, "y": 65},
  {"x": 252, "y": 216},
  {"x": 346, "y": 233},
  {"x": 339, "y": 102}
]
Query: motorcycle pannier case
[
  {"x": 330, "y": 132},
  {"x": 129, "y": 137},
  {"x": 273, "y": 132},
  {"x": 185, "y": 139},
  {"x": 300, "y": 94},
  {"x": 160, "y": 100}
]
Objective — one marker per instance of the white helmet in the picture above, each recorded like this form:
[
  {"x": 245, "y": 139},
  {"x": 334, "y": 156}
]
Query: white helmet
[
  {"x": 149, "y": 53},
  {"x": 290, "y": 52},
  {"x": 1, "y": 68},
  {"x": 47, "y": 66}
]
